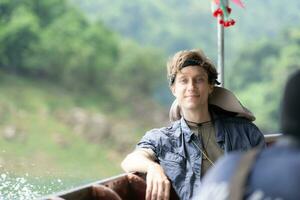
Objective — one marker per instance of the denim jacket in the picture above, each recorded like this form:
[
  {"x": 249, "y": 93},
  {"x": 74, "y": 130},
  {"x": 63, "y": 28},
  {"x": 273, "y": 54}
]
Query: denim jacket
[{"x": 175, "y": 148}]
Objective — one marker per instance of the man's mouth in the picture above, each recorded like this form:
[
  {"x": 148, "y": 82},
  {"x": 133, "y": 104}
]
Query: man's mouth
[{"x": 192, "y": 96}]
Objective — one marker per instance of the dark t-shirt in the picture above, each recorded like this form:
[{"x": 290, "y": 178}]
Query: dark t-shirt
[{"x": 275, "y": 175}]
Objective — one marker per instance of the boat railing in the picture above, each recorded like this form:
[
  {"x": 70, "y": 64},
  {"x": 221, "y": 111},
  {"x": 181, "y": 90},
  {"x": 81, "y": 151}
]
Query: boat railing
[
  {"x": 130, "y": 186},
  {"x": 272, "y": 138}
]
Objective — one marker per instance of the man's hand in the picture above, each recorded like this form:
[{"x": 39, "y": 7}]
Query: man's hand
[
  {"x": 158, "y": 185},
  {"x": 143, "y": 160}
]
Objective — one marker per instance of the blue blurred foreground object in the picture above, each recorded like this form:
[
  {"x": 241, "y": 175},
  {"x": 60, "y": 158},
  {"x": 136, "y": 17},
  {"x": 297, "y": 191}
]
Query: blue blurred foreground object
[{"x": 272, "y": 173}]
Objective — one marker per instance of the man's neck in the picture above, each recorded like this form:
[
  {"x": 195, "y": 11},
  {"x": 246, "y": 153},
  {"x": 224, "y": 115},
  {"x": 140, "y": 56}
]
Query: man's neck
[{"x": 197, "y": 116}]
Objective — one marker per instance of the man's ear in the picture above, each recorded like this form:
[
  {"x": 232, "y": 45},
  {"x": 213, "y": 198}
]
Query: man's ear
[
  {"x": 172, "y": 88},
  {"x": 211, "y": 88}
]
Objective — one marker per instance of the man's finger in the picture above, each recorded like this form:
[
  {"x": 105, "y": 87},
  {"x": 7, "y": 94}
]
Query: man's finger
[
  {"x": 167, "y": 187},
  {"x": 160, "y": 190},
  {"x": 154, "y": 191},
  {"x": 149, "y": 188}
]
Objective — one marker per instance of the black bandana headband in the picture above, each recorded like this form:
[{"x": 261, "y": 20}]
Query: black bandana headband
[
  {"x": 189, "y": 62},
  {"x": 192, "y": 62}
]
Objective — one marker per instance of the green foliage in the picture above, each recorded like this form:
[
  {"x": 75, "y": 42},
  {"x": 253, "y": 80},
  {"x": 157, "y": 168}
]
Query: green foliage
[
  {"x": 257, "y": 60},
  {"x": 17, "y": 36},
  {"x": 175, "y": 25},
  {"x": 69, "y": 54},
  {"x": 48, "y": 11},
  {"x": 170, "y": 25},
  {"x": 260, "y": 72},
  {"x": 54, "y": 41},
  {"x": 139, "y": 69}
]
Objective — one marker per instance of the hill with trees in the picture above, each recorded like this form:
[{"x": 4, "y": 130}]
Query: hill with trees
[
  {"x": 174, "y": 24},
  {"x": 73, "y": 97},
  {"x": 255, "y": 47},
  {"x": 81, "y": 81}
]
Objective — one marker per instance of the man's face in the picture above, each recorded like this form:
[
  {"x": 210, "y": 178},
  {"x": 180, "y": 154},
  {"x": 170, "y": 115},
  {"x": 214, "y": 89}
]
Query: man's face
[{"x": 191, "y": 88}]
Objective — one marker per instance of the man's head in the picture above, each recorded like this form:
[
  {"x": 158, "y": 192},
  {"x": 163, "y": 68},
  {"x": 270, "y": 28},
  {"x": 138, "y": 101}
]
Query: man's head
[
  {"x": 191, "y": 58},
  {"x": 192, "y": 77},
  {"x": 290, "y": 106}
]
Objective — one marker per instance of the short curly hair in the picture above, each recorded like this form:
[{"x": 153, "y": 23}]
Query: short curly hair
[{"x": 191, "y": 57}]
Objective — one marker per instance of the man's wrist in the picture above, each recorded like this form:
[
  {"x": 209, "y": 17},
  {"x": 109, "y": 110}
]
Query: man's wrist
[{"x": 153, "y": 165}]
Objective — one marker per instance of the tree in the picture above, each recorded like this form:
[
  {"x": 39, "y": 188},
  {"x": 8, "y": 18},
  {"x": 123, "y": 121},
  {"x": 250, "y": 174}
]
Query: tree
[
  {"x": 260, "y": 73},
  {"x": 18, "y": 35}
]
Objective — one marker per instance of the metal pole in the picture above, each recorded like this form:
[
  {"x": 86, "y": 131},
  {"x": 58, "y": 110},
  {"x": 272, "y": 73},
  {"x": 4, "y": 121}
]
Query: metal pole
[
  {"x": 221, "y": 53},
  {"x": 221, "y": 43}
]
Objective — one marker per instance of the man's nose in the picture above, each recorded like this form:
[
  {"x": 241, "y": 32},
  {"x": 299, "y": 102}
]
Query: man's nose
[{"x": 191, "y": 85}]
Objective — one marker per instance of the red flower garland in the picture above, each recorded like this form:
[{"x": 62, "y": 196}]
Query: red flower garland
[{"x": 225, "y": 23}]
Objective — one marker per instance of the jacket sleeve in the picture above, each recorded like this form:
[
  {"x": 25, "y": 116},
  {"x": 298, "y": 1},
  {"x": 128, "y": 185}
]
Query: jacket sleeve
[
  {"x": 255, "y": 135},
  {"x": 150, "y": 141}
]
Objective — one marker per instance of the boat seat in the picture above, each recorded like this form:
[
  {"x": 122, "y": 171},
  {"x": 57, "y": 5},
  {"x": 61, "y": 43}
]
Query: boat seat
[
  {"x": 129, "y": 187},
  {"x": 126, "y": 187},
  {"x": 100, "y": 192}
]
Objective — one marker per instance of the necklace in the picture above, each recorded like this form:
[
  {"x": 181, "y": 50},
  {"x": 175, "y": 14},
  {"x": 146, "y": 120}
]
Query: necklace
[
  {"x": 204, "y": 145},
  {"x": 204, "y": 154},
  {"x": 197, "y": 124},
  {"x": 203, "y": 149}
]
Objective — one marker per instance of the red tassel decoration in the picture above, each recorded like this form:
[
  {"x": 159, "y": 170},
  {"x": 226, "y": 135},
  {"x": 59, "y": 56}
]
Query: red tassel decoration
[
  {"x": 228, "y": 9},
  {"x": 225, "y": 23},
  {"x": 228, "y": 23},
  {"x": 218, "y": 12}
]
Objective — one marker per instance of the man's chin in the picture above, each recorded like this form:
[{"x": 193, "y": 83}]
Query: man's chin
[{"x": 191, "y": 106}]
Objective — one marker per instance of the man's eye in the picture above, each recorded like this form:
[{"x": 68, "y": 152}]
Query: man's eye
[
  {"x": 199, "y": 80},
  {"x": 182, "y": 80}
]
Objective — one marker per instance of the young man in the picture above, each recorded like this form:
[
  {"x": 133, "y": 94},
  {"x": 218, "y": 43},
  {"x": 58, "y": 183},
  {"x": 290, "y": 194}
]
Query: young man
[
  {"x": 272, "y": 173},
  {"x": 182, "y": 153}
]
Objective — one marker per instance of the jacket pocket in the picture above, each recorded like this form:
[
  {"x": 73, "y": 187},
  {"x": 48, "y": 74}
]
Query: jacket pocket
[
  {"x": 174, "y": 166},
  {"x": 173, "y": 157}
]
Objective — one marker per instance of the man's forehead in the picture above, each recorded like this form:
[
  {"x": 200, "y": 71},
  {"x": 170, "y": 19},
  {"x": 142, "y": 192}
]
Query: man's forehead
[{"x": 192, "y": 71}]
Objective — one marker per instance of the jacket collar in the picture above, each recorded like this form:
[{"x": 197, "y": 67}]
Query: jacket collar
[
  {"x": 219, "y": 128},
  {"x": 184, "y": 129}
]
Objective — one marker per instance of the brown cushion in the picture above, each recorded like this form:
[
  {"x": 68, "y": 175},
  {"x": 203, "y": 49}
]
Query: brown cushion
[{"x": 104, "y": 193}]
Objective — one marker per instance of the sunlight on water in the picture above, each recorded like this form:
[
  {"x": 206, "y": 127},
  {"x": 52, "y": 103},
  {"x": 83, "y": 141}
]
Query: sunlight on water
[{"x": 20, "y": 188}]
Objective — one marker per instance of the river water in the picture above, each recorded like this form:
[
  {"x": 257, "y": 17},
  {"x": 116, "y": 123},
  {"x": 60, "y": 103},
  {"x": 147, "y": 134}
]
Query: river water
[{"x": 25, "y": 187}]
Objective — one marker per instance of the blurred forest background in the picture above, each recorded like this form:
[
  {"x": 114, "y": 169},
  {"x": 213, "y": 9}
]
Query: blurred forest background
[{"x": 81, "y": 81}]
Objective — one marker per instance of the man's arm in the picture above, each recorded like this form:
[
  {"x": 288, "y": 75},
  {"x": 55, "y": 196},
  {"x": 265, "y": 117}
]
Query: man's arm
[
  {"x": 256, "y": 136},
  {"x": 143, "y": 160},
  {"x": 138, "y": 161}
]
